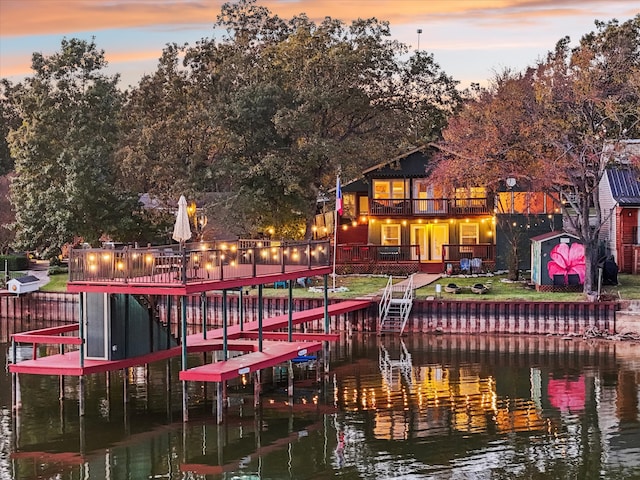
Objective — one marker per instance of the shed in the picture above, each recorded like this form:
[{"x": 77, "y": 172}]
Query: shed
[
  {"x": 557, "y": 261},
  {"x": 25, "y": 284}
]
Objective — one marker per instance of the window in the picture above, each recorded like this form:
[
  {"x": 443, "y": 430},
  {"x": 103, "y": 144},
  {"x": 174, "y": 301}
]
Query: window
[
  {"x": 390, "y": 234},
  {"x": 469, "y": 233},
  {"x": 386, "y": 189},
  {"x": 473, "y": 192},
  {"x": 363, "y": 204},
  {"x": 349, "y": 205}
]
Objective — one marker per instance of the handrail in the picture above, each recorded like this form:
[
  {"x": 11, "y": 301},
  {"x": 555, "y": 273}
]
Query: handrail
[
  {"x": 407, "y": 303},
  {"x": 195, "y": 261},
  {"x": 49, "y": 335},
  {"x": 385, "y": 302}
]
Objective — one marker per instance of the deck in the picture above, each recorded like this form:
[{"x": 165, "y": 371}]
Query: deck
[
  {"x": 244, "y": 339},
  {"x": 196, "y": 267}
]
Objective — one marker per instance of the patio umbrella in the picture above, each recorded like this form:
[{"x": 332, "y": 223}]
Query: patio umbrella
[{"x": 182, "y": 228}]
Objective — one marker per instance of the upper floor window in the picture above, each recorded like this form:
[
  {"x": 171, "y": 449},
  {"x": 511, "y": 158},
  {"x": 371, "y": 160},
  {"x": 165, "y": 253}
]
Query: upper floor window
[
  {"x": 389, "y": 189},
  {"x": 423, "y": 189},
  {"x": 473, "y": 192}
]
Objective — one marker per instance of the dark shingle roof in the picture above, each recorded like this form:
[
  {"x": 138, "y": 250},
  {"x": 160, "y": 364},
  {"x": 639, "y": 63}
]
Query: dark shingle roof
[
  {"x": 625, "y": 185},
  {"x": 27, "y": 279}
]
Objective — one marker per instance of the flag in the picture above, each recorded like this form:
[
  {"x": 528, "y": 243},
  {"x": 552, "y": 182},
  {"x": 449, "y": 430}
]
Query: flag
[{"x": 339, "y": 198}]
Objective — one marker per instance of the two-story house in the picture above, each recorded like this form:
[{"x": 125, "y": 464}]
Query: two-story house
[
  {"x": 396, "y": 220},
  {"x": 620, "y": 206}
]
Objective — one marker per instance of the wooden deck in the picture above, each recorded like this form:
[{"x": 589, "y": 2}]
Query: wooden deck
[
  {"x": 197, "y": 268},
  {"x": 243, "y": 339}
]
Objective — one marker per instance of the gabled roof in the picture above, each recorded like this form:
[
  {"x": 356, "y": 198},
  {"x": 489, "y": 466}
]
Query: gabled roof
[
  {"x": 624, "y": 182},
  {"x": 413, "y": 163},
  {"x": 550, "y": 235},
  {"x": 26, "y": 279}
]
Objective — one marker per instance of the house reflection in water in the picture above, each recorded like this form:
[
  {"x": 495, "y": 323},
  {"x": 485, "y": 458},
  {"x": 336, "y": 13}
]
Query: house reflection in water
[{"x": 475, "y": 385}]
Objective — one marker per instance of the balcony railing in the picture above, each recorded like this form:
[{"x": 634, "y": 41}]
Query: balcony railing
[
  {"x": 457, "y": 252},
  {"x": 429, "y": 206},
  {"x": 195, "y": 262},
  {"x": 354, "y": 253}
]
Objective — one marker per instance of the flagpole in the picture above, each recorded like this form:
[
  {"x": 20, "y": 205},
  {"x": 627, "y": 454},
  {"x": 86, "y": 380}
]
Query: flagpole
[
  {"x": 335, "y": 246},
  {"x": 337, "y": 211},
  {"x": 335, "y": 237}
]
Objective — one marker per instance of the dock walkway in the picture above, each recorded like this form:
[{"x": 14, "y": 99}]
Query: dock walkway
[{"x": 243, "y": 338}]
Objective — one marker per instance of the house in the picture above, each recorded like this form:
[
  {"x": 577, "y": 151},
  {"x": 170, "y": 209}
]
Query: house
[
  {"x": 620, "y": 206},
  {"x": 396, "y": 220}
]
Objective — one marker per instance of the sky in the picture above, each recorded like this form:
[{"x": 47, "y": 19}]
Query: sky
[{"x": 470, "y": 39}]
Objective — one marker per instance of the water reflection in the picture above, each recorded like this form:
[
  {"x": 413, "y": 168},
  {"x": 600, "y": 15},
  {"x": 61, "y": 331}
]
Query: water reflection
[{"x": 421, "y": 407}]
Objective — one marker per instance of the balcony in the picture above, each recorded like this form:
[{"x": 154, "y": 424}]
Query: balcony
[
  {"x": 196, "y": 263},
  {"x": 440, "y": 207}
]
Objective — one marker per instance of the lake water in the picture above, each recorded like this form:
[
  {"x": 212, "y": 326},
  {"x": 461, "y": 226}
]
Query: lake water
[{"x": 426, "y": 407}]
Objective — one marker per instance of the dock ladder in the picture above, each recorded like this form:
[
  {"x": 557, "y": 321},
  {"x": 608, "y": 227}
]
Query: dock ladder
[{"x": 395, "y": 306}]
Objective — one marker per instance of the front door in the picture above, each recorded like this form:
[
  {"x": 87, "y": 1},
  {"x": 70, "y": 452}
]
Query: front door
[
  {"x": 419, "y": 237},
  {"x": 439, "y": 237}
]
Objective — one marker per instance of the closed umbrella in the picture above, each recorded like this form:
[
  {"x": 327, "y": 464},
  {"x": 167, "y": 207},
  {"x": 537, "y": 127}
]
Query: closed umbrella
[{"x": 182, "y": 228}]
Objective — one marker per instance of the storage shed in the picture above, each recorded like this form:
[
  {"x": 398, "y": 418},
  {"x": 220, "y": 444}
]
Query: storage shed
[
  {"x": 26, "y": 284},
  {"x": 557, "y": 262}
]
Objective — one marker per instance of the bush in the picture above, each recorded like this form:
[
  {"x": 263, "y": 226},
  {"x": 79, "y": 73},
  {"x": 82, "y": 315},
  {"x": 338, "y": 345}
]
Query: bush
[
  {"x": 14, "y": 262},
  {"x": 57, "y": 270}
]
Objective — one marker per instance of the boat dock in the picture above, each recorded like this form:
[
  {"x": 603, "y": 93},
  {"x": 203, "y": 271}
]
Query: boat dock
[{"x": 118, "y": 291}]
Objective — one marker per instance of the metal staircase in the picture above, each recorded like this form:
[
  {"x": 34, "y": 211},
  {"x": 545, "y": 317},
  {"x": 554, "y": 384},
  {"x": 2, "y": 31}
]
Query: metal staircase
[{"x": 395, "y": 306}]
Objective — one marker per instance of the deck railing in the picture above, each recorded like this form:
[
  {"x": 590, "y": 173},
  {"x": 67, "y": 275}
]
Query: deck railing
[
  {"x": 196, "y": 261},
  {"x": 430, "y": 206},
  {"x": 365, "y": 253},
  {"x": 457, "y": 252},
  {"x": 51, "y": 336}
]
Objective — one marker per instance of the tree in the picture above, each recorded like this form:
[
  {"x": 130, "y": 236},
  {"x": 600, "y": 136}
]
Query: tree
[
  {"x": 554, "y": 133},
  {"x": 487, "y": 142},
  {"x": 64, "y": 185},
  {"x": 263, "y": 120}
]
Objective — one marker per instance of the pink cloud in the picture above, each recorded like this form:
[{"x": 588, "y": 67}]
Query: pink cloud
[{"x": 63, "y": 16}]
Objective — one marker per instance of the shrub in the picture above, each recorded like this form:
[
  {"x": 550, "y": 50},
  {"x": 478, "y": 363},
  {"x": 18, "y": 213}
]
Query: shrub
[
  {"x": 57, "y": 270},
  {"x": 14, "y": 262}
]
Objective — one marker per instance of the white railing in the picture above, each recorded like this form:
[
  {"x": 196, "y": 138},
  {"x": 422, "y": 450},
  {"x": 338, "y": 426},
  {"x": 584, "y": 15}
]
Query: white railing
[{"x": 385, "y": 302}]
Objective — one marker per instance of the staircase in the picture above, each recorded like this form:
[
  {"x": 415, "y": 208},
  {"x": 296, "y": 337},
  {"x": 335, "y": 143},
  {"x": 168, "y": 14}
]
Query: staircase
[
  {"x": 161, "y": 335},
  {"x": 395, "y": 306}
]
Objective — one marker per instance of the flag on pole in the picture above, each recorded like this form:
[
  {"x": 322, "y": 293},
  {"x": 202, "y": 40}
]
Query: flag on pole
[{"x": 339, "y": 198}]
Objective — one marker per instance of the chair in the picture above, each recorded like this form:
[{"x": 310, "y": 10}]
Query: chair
[
  {"x": 476, "y": 264},
  {"x": 465, "y": 264}
]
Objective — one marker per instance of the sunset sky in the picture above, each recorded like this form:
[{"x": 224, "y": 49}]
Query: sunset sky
[{"x": 469, "y": 38}]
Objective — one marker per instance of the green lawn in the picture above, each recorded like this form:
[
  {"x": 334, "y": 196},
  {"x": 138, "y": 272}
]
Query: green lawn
[
  {"x": 628, "y": 287},
  {"x": 359, "y": 285},
  {"x": 57, "y": 283}
]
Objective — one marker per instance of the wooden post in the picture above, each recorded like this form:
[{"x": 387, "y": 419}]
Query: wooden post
[
  {"x": 290, "y": 381},
  {"x": 219, "y": 402},
  {"x": 225, "y": 340},
  {"x": 260, "y": 317},
  {"x": 81, "y": 395},
  {"x": 290, "y": 321},
  {"x": 203, "y": 309}
]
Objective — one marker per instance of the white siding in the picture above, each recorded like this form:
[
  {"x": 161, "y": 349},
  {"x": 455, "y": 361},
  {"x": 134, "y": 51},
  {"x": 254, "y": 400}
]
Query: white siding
[{"x": 607, "y": 207}]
